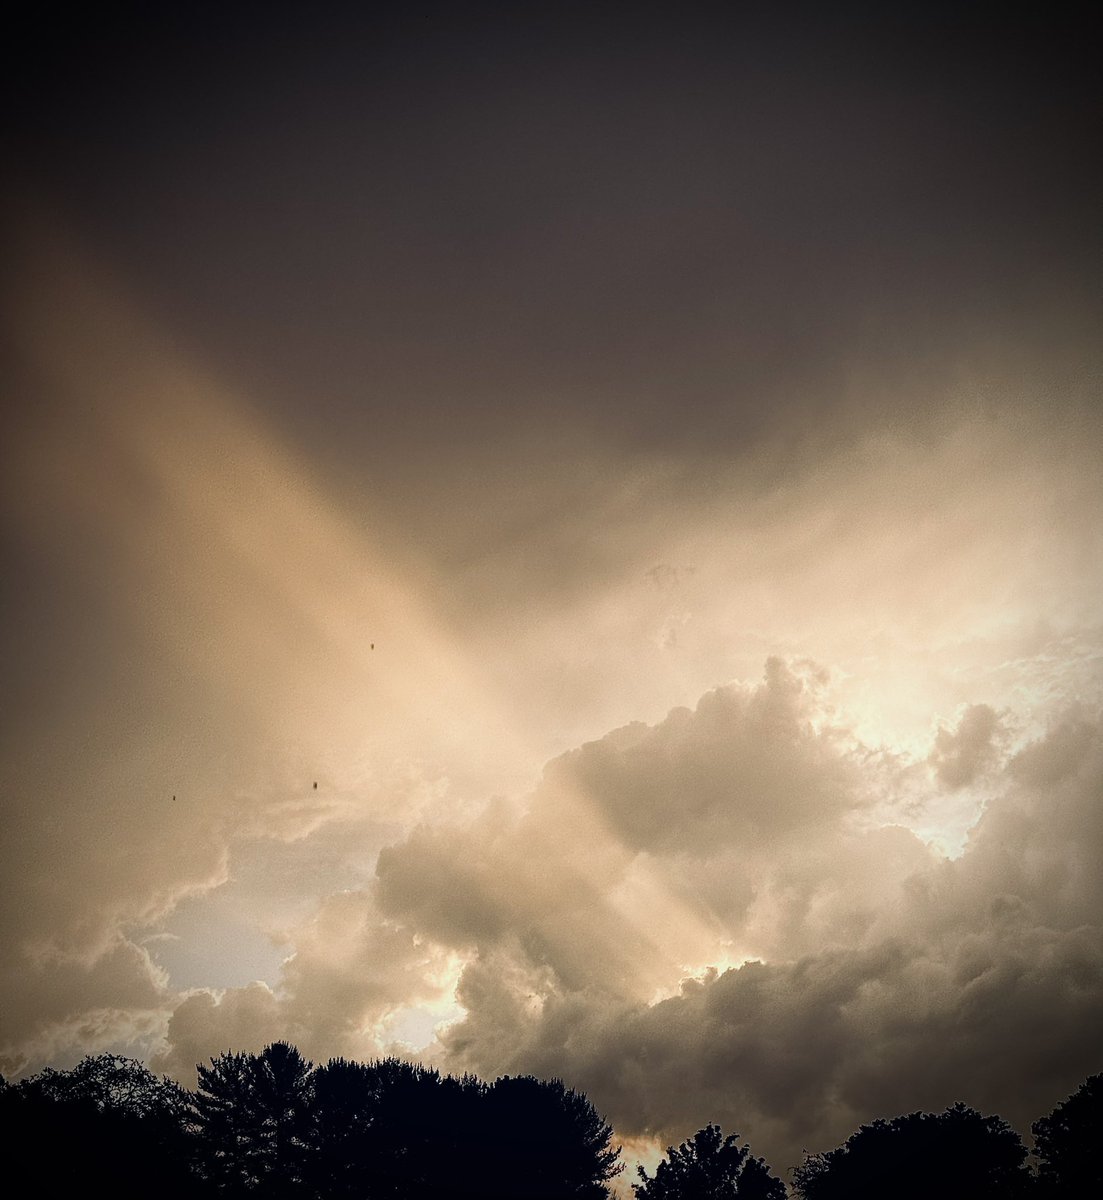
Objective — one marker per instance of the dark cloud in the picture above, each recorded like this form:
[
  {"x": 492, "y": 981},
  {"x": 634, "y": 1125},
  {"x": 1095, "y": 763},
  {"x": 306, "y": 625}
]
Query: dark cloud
[
  {"x": 959, "y": 755},
  {"x": 706, "y": 230}
]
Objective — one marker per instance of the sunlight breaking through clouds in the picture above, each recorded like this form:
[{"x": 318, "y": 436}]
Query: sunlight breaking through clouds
[
  {"x": 547, "y": 554},
  {"x": 764, "y": 838}
]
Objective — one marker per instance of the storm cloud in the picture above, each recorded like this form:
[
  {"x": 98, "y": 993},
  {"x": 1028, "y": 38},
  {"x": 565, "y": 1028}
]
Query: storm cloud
[{"x": 548, "y": 541}]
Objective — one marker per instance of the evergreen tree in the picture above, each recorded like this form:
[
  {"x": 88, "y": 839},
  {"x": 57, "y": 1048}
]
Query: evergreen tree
[{"x": 251, "y": 1118}]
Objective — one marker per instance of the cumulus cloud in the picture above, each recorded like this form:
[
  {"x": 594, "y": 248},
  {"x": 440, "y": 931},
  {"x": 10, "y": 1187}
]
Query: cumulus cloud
[
  {"x": 744, "y": 767},
  {"x": 348, "y": 972},
  {"x": 983, "y": 982},
  {"x": 637, "y": 858},
  {"x": 698, "y": 921},
  {"x": 205, "y": 1024},
  {"x": 55, "y": 1006}
]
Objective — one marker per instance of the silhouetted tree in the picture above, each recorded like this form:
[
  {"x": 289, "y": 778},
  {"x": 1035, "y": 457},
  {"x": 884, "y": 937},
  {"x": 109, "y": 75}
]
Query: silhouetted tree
[
  {"x": 224, "y": 1125},
  {"x": 251, "y": 1117},
  {"x": 119, "y": 1130},
  {"x": 113, "y": 1083},
  {"x": 709, "y": 1166},
  {"x": 1069, "y": 1143},
  {"x": 548, "y": 1142},
  {"x": 270, "y": 1127},
  {"x": 954, "y": 1155},
  {"x": 343, "y": 1109},
  {"x": 390, "y": 1128}
]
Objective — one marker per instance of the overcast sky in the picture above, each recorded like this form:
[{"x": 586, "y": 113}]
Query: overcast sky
[{"x": 644, "y": 468}]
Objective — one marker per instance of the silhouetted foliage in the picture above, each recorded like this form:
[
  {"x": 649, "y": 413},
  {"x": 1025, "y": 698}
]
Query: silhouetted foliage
[
  {"x": 251, "y": 1115},
  {"x": 1069, "y": 1143},
  {"x": 957, "y": 1153},
  {"x": 270, "y": 1126},
  {"x": 117, "y": 1128},
  {"x": 342, "y": 1114},
  {"x": 114, "y": 1084},
  {"x": 549, "y": 1140},
  {"x": 388, "y": 1128},
  {"x": 267, "y": 1125},
  {"x": 709, "y": 1166}
]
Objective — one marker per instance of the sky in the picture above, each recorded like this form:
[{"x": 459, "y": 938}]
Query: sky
[{"x": 559, "y": 539}]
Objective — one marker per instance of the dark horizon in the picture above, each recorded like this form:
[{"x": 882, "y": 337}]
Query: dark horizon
[{"x": 274, "y": 1123}]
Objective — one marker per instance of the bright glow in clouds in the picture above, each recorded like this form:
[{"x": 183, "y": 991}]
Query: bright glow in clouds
[{"x": 775, "y": 802}]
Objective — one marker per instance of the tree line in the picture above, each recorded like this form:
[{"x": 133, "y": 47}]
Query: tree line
[{"x": 272, "y": 1126}]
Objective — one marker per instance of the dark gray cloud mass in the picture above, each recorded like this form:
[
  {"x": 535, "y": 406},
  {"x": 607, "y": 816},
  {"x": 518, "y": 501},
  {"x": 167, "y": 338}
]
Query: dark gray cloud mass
[
  {"x": 960, "y": 754},
  {"x": 440, "y": 223}
]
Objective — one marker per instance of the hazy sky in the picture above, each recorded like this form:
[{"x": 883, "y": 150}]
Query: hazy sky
[{"x": 644, "y": 467}]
